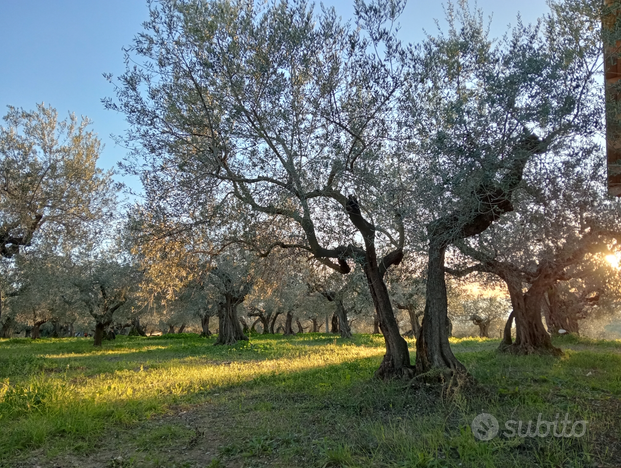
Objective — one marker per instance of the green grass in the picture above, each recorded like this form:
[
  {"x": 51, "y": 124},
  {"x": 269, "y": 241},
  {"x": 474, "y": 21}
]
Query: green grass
[{"x": 309, "y": 400}]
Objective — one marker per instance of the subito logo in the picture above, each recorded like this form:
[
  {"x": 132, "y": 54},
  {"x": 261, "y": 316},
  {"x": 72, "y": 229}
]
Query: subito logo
[{"x": 485, "y": 427}]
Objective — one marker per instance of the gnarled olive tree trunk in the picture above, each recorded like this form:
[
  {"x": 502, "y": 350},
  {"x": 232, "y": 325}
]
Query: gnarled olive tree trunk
[
  {"x": 483, "y": 324},
  {"x": 137, "y": 329},
  {"x": 289, "y": 324},
  {"x": 396, "y": 361},
  {"x": 376, "y": 328},
  {"x": 316, "y": 325},
  {"x": 205, "y": 325},
  {"x": 433, "y": 351},
  {"x": 273, "y": 322},
  {"x": 334, "y": 324},
  {"x": 530, "y": 335},
  {"x": 100, "y": 332},
  {"x": 36, "y": 329},
  {"x": 560, "y": 314},
  {"x": 229, "y": 328},
  {"x": 262, "y": 317},
  {"x": 344, "y": 327},
  {"x": 413, "y": 316}
]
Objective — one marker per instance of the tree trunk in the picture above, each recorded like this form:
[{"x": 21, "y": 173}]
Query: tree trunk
[
  {"x": 343, "y": 322},
  {"x": 229, "y": 328},
  {"x": 99, "y": 333},
  {"x": 414, "y": 321},
  {"x": 507, "y": 339},
  {"x": 396, "y": 361},
  {"x": 56, "y": 329},
  {"x": 7, "y": 328},
  {"x": 171, "y": 329},
  {"x": 265, "y": 323},
  {"x": 137, "y": 328},
  {"x": 433, "y": 351},
  {"x": 483, "y": 324},
  {"x": 316, "y": 325},
  {"x": 273, "y": 322},
  {"x": 561, "y": 315},
  {"x": 36, "y": 329},
  {"x": 244, "y": 325},
  {"x": 205, "y": 325},
  {"x": 289, "y": 324},
  {"x": 530, "y": 335},
  {"x": 334, "y": 324},
  {"x": 253, "y": 327},
  {"x": 181, "y": 328},
  {"x": 299, "y": 324},
  {"x": 376, "y": 329}
]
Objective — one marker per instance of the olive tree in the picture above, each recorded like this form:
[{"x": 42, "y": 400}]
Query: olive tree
[
  {"x": 480, "y": 111},
  {"x": 285, "y": 112},
  {"x": 341, "y": 137},
  {"x": 562, "y": 217},
  {"x": 49, "y": 181}
]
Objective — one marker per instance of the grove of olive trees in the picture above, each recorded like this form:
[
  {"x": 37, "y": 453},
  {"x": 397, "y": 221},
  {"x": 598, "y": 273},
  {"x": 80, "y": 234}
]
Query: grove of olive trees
[{"x": 300, "y": 171}]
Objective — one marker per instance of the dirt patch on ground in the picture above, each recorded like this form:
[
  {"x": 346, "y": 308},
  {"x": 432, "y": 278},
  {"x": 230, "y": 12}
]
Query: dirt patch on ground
[{"x": 185, "y": 438}]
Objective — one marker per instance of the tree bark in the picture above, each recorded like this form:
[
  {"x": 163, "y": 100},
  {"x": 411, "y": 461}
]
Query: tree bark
[
  {"x": 561, "y": 315},
  {"x": 414, "y": 323},
  {"x": 483, "y": 324},
  {"x": 99, "y": 333},
  {"x": 229, "y": 329},
  {"x": 343, "y": 323},
  {"x": 530, "y": 335},
  {"x": 137, "y": 328},
  {"x": 433, "y": 351},
  {"x": 299, "y": 324},
  {"x": 36, "y": 329},
  {"x": 263, "y": 318},
  {"x": 205, "y": 325},
  {"x": 334, "y": 324},
  {"x": 244, "y": 325},
  {"x": 181, "y": 328},
  {"x": 376, "y": 329},
  {"x": 316, "y": 325},
  {"x": 507, "y": 339},
  {"x": 273, "y": 322},
  {"x": 171, "y": 329},
  {"x": 396, "y": 361},
  {"x": 253, "y": 327},
  {"x": 289, "y": 324}
]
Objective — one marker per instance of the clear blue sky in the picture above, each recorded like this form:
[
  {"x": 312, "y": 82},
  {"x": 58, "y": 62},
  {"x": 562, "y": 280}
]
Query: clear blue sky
[{"x": 55, "y": 51}]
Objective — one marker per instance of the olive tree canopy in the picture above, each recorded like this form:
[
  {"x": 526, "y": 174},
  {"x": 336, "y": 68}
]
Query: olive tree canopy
[{"x": 49, "y": 180}]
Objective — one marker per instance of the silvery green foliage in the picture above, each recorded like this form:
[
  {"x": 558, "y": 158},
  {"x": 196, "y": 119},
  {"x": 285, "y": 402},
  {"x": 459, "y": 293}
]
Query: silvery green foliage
[
  {"x": 39, "y": 292},
  {"x": 474, "y": 101},
  {"x": 273, "y": 105},
  {"x": 49, "y": 181},
  {"x": 103, "y": 287}
]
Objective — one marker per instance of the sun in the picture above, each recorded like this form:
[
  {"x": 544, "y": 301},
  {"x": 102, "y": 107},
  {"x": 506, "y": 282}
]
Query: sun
[{"x": 614, "y": 260}]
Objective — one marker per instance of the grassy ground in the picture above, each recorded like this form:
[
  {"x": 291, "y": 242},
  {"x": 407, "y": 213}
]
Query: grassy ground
[{"x": 307, "y": 401}]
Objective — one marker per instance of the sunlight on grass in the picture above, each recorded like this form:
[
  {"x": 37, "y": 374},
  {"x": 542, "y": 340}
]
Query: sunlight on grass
[
  {"x": 48, "y": 394},
  {"x": 105, "y": 352},
  {"x": 309, "y": 400}
]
